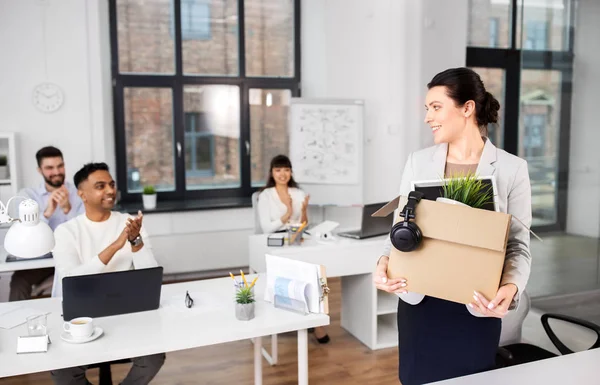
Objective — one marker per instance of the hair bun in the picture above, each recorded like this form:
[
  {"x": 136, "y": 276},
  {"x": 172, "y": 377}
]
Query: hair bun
[{"x": 489, "y": 110}]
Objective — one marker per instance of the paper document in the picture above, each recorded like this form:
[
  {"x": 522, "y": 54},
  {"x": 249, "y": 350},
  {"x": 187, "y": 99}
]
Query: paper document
[
  {"x": 297, "y": 271},
  {"x": 14, "y": 315},
  {"x": 291, "y": 293}
]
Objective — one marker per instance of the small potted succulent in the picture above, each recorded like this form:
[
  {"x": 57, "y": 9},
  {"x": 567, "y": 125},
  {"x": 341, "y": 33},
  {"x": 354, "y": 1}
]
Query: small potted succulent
[
  {"x": 149, "y": 197},
  {"x": 244, "y": 303},
  {"x": 467, "y": 190},
  {"x": 244, "y": 298},
  {"x": 3, "y": 167}
]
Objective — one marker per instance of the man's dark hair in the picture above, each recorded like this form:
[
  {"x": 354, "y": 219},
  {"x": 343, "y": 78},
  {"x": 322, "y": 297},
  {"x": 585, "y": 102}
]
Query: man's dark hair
[
  {"x": 47, "y": 152},
  {"x": 86, "y": 170}
]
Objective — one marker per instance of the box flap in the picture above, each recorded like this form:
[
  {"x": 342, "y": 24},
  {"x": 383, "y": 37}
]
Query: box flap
[
  {"x": 387, "y": 209},
  {"x": 460, "y": 224}
]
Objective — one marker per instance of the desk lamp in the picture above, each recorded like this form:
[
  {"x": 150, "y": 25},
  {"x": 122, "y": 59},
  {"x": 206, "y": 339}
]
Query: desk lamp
[{"x": 28, "y": 237}]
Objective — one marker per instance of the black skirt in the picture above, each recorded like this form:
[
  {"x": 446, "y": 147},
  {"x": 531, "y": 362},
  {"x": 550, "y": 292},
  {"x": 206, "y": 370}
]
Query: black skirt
[{"x": 439, "y": 339}]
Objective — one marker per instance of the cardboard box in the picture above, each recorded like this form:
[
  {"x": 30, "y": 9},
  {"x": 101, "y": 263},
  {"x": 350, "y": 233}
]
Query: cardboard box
[{"x": 462, "y": 250}]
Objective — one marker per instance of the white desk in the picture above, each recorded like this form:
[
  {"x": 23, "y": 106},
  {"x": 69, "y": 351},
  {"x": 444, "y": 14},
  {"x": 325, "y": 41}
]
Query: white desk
[
  {"x": 579, "y": 368},
  {"x": 6, "y": 267},
  {"x": 164, "y": 330},
  {"x": 367, "y": 313}
]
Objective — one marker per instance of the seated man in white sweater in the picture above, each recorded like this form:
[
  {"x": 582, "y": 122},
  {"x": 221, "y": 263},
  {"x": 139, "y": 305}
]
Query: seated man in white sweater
[{"x": 101, "y": 241}]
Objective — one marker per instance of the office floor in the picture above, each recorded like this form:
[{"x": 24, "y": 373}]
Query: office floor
[{"x": 343, "y": 361}]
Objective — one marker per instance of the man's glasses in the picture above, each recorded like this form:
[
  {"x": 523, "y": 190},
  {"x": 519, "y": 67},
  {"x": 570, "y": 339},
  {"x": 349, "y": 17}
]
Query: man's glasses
[{"x": 189, "y": 302}]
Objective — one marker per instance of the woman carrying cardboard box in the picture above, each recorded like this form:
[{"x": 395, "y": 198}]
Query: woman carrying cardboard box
[{"x": 440, "y": 339}]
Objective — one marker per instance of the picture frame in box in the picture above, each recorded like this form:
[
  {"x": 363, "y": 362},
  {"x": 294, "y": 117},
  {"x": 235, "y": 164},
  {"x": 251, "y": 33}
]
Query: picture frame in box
[{"x": 432, "y": 189}]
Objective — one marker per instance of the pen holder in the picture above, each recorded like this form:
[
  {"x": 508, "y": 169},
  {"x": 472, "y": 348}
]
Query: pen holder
[
  {"x": 244, "y": 302},
  {"x": 294, "y": 234}
]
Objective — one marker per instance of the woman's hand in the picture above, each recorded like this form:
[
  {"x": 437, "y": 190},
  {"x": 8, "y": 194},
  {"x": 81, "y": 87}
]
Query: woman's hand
[
  {"x": 498, "y": 307},
  {"x": 304, "y": 215},
  {"x": 305, "y": 202},
  {"x": 382, "y": 282}
]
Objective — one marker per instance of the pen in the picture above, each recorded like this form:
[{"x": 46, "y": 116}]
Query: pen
[
  {"x": 302, "y": 226},
  {"x": 232, "y": 277},
  {"x": 244, "y": 278},
  {"x": 253, "y": 282}
]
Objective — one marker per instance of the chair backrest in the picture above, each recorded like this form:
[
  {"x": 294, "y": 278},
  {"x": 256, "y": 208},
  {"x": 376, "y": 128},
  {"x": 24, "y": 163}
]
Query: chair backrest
[
  {"x": 512, "y": 323},
  {"x": 257, "y": 227},
  {"x": 56, "y": 285}
]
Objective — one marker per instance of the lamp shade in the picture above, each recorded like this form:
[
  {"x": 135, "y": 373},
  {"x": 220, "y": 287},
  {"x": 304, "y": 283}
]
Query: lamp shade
[{"x": 29, "y": 238}]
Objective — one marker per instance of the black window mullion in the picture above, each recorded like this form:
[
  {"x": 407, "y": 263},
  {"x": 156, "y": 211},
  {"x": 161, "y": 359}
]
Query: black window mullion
[
  {"x": 297, "y": 41},
  {"x": 245, "y": 149},
  {"x": 241, "y": 39},
  {"x": 244, "y": 144},
  {"x": 562, "y": 183},
  {"x": 512, "y": 89},
  {"x": 514, "y": 16}
]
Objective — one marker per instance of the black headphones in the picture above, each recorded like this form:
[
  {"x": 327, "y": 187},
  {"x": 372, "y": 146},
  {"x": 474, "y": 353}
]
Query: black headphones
[{"x": 406, "y": 236}]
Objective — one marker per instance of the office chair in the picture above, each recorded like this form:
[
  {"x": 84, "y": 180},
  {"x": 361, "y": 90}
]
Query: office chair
[
  {"x": 257, "y": 227},
  {"x": 512, "y": 351}
]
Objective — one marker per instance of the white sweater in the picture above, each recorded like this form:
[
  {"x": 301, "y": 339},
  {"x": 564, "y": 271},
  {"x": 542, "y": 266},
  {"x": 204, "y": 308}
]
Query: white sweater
[
  {"x": 80, "y": 240},
  {"x": 271, "y": 209}
]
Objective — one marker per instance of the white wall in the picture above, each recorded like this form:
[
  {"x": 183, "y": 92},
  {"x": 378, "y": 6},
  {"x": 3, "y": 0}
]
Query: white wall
[
  {"x": 583, "y": 215},
  {"x": 382, "y": 51},
  {"x": 76, "y": 48},
  {"x": 385, "y": 52}
]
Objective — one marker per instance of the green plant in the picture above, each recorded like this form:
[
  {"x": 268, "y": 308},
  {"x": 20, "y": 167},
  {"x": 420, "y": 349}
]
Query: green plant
[
  {"x": 3, "y": 160},
  {"x": 469, "y": 190},
  {"x": 244, "y": 295},
  {"x": 149, "y": 190}
]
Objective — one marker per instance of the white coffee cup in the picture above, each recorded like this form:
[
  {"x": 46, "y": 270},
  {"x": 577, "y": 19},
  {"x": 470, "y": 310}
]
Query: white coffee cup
[{"x": 81, "y": 327}]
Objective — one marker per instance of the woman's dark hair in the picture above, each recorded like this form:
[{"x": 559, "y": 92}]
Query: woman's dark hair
[
  {"x": 464, "y": 84},
  {"x": 279, "y": 161}
]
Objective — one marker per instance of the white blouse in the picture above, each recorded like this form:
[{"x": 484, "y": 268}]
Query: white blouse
[{"x": 271, "y": 209}]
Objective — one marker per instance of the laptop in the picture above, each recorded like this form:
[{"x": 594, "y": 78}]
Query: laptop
[
  {"x": 106, "y": 294},
  {"x": 370, "y": 226}
]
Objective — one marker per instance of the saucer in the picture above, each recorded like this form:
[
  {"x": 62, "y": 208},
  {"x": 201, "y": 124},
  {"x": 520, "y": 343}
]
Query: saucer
[{"x": 68, "y": 338}]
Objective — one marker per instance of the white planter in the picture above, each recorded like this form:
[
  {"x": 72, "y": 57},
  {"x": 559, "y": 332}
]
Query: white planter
[
  {"x": 3, "y": 172},
  {"x": 149, "y": 201},
  {"x": 244, "y": 311},
  {"x": 450, "y": 201}
]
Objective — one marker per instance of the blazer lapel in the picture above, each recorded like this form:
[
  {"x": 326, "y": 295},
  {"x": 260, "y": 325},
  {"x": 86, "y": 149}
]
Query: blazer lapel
[
  {"x": 488, "y": 158},
  {"x": 439, "y": 162}
]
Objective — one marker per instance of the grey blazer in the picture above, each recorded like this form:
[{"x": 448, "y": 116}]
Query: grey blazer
[{"x": 514, "y": 197}]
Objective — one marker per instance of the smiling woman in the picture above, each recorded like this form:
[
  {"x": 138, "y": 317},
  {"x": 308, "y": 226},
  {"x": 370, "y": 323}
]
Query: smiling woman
[{"x": 431, "y": 330}]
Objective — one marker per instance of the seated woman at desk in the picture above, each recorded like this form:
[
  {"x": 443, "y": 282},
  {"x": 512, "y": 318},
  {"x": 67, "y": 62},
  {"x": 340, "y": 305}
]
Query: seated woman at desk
[{"x": 281, "y": 202}]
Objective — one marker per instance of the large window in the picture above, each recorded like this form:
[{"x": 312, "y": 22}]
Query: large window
[
  {"x": 526, "y": 61},
  {"x": 201, "y": 92}
]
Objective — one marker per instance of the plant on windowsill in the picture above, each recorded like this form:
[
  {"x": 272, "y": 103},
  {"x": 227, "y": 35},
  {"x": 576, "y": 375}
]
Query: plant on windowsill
[
  {"x": 466, "y": 190},
  {"x": 149, "y": 197},
  {"x": 3, "y": 167}
]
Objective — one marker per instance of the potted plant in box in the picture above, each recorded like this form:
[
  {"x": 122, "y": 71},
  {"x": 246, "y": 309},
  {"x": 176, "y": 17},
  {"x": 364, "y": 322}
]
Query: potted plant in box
[
  {"x": 467, "y": 190},
  {"x": 3, "y": 167},
  {"x": 149, "y": 197}
]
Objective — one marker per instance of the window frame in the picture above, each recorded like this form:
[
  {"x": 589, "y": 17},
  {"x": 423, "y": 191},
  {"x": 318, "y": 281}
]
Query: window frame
[
  {"x": 176, "y": 82},
  {"x": 513, "y": 60}
]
